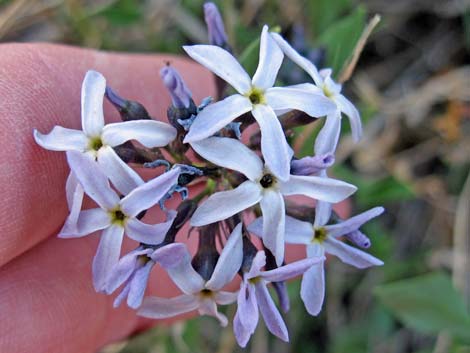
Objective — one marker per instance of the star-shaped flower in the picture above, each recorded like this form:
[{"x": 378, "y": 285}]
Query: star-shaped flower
[
  {"x": 321, "y": 239},
  {"x": 116, "y": 216},
  {"x": 198, "y": 293},
  {"x": 257, "y": 96},
  {"x": 262, "y": 187}
]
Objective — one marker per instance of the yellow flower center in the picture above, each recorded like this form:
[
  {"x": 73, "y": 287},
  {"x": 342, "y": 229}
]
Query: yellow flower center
[
  {"x": 118, "y": 217},
  {"x": 256, "y": 96},
  {"x": 95, "y": 143},
  {"x": 319, "y": 235}
]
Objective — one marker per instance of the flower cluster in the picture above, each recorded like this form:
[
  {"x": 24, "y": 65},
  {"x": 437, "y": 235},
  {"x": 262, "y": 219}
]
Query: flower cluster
[{"x": 239, "y": 147}]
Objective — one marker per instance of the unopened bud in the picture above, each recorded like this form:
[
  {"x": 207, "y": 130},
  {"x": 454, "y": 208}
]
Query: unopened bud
[
  {"x": 215, "y": 25},
  {"x": 311, "y": 165},
  {"x": 129, "y": 110},
  {"x": 359, "y": 239},
  {"x": 206, "y": 256},
  {"x": 179, "y": 92}
]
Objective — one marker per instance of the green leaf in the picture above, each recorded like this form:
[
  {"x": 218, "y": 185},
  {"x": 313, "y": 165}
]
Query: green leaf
[
  {"x": 428, "y": 303},
  {"x": 340, "y": 38},
  {"x": 323, "y": 13},
  {"x": 122, "y": 12}
]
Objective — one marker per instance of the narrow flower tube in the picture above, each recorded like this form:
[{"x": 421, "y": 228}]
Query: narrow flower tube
[
  {"x": 179, "y": 92},
  {"x": 215, "y": 25}
]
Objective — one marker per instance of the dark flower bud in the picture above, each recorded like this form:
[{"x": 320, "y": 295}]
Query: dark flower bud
[
  {"x": 207, "y": 255},
  {"x": 129, "y": 110}
]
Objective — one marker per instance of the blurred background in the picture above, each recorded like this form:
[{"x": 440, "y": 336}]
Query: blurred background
[{"x": 412, "y": 85}]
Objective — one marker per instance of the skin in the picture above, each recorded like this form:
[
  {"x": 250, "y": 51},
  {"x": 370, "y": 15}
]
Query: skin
[{"x": 47, "y": 302}]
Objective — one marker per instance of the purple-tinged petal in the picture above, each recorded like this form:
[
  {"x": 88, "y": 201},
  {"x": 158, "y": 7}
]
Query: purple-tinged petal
[
  {"x": 291, "y": 270},
  {"x": 229, "y": 261},
  {"x": 350, "y": 255},
  {"x": 327, "y": 138},
  {"x": 209, "y": 307},
  {"x": 169, "y": 255},
  {"x": 247, "y": 307},
  {"x": 322, "y": 213},
  {"x": 152, "y": 234},
  {"x": 224, "y": 204},
  {"x": 354, "y": 118},
  {"x": 162, "y": 308},
  {"x": 353, "y": 223},
  {"x": 271, "y": 315},
  {"x": 297, "y": 231},
  {"x": 304, "y": 63},
  {"x": 283, "y": 295},
  {"x": 311, "y": 165},
  {"x": 242, "y": 335},
  {"x": 308, "y": 101},
  {"x": 123, "y": 177},
  {"x": 74, "y": 193},
  {"x": 123, "y": 295},
  {"x": 184, "y": 275},
  {"x": 276, "y": 152},
  {"x": 216, "y": 116},
  {"x": 149, "y": 133},
  {"x": 138, "y": 284},
  {"x": 319, "y": 188},
  {"x": 179, "y": 92},
  {"x": 221, "y": 63},
  {"x": 93, "y": 180},
  {"x": 215, "y": 25},
  {"x": 88, "y": 221},
  {"x": 148, "y": 194},
  {"x": 93, "y": 88},
  {"x": 62, "y": 139},
  {"x": 259, "y": 261},
  {"x": 274, "y": 214},
  {"x": 232, "y": 154},
  {"x": 225, "y": 298},
  {"x": 107, "y": 256},
  {"x": 270, "y": 60},
  {"x": 359, "y": 239},
  {"x": 312, "y": 288}
]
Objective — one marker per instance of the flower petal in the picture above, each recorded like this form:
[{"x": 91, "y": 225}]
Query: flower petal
[
  {"x": 107, "y": 256},
  {"x": 308, "y": 101},
  {"x": 224, "y": 204},
  {"x": 74, "y": 194},
  {"x": 229, "y": 261},
  {"x": 169, "y": 255},
  {"x": 325, "y": 189},
  {"x": 270, "y": 60},
  {"x": 232, "y": 154},
  {"x": 93, "y": 88},
  {"x": 88, "y": 221},
  {"x": 62, "y": 139},
  {"x": 149, "y": 133},
  {"x": 247, "y": 309},
  {"x": 327, "y": 138},
  {"x": 148, "y": 194},
  {"x": 292, "y": 54},
  {"x": 353, "y": 223},
  {"x": 354, "y": 117},
  {"x": 123, "y": 177},
  {"x": 225, "y": 298},
  {"x": 152, "y": 234},
  {"x": 322, "y": 213},
  {"x": 216, "y": 116},
  {"x": 138, "y": 285},
  {"x": 273, "y": 209},
  {"x": 271, "y": 315},
  {"x": 209, "y": 307},
  {"x": 221, "y": 63},
  {"x": 294, "y": 269},
  {"x": 242, "y": 335},
  {"x": 312, "y": 288},
  {"x": 161, "y": 308},
  {"x": 93, "y": 180},
  {"x": 257, "y": 264},
  {"x": 297, "y": 231},
  {"x": 350, "y": 255},
  {"x": 276, "y": 152}
]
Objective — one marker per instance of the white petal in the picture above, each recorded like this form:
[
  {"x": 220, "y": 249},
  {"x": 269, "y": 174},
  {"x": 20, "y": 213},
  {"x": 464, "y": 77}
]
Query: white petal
[
  {"x": 74, "y": 193},
  {"x": 270, "y": 60},
  {"x": 232, "y": 154},
  {"x": 350, "y": 255},
  {"x": 221, "y": 63},
  {"x": 152, "y": 234},
  {"x": 216, "y": 116},
  {"x": 107, "y": 256},
  {"x": 224, "y": 204},
  {"x": 209, "y": 307},
  {"x": 161, "y": 308},
  {"x": 304, "y": 63},
  {"x": 148, "y": 194},
  {"x": 123, "y": 177},
  {"x": 353, "y": 223},
  {"x": 312, "y": 288},
  {"x": 325, "y": 189},
  {"x": 225, "y": 298},
  {"x": 276, "y": 152},
  {"x": 298, "y": 232},
  {"x": 93, "y": 180},
  {"x": 184, "y": 275},
  {"x": 322, "y": 213},
  {"x": 62, "y": 139},
  {"x": 327, "y": 138},
  {"x": 88, "y": 221},
  {"x": 308, "y": 101},
  {"x": 291, "y": 270},
  {"x": 273, "y": 209},
  {"x": 149, "y": 133},
  {"x": 354, "y": 118},
  {"x": 93, "y": 88},
  {"x": 229, "y": 261}
]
